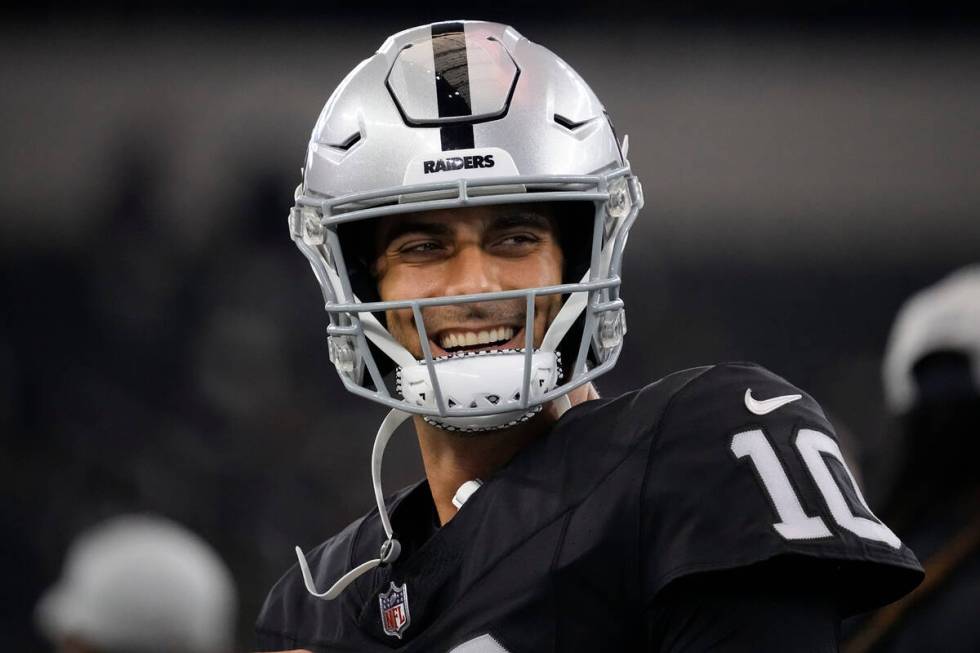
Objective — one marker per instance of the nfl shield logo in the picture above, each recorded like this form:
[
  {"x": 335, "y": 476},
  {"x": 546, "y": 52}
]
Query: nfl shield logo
[{"x": 394, "y": 610}]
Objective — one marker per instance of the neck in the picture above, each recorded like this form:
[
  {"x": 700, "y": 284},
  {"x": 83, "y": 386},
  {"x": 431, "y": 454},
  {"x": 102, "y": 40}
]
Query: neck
[{"x": 451, "y": 459}]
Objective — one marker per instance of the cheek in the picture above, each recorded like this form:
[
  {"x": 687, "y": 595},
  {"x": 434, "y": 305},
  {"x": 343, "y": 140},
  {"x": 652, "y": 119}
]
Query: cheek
[
  {"x": 402, "y": 327},
  {"x": 550, "y": 266},
  {"x": 390, "y": 285},
  {"x": 397, "y": 283},
  {"x": 548, "y": 272},
  {"x": 407, "y": 282},
  {"x": 545, "y": 309},
  {"x": 542, "y": 269},
  {"x": 393, "y": 286}
]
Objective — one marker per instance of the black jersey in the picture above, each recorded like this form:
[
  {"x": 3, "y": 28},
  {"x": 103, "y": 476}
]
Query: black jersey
[{"x": 567, "y": 547}]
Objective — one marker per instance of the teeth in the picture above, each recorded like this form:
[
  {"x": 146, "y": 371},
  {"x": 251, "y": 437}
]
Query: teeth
[{"x": 471, "y": 338}]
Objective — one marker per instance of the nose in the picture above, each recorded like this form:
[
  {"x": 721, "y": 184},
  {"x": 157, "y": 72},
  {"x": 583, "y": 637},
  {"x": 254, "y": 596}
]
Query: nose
[{"x": 471, "y": 271}]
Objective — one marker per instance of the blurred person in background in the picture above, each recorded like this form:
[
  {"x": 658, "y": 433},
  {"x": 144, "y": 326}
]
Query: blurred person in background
[
  {"x": 931, "y": 375},
  {"x": 467, "y": 186},
  {"x": 140, "y": 584}
]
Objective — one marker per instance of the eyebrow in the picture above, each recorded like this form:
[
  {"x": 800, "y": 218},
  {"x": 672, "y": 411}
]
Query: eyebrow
[
  {"x": 499, "y": 223},
  {"x": 529, "y": 219}
]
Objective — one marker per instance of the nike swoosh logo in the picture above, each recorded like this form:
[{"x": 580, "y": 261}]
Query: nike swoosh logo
[{"x": 768, "y": 405}]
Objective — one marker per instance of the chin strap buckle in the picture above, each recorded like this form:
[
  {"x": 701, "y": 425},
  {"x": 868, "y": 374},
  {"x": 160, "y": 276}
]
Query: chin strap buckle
[{"x": 390, "y": 550}]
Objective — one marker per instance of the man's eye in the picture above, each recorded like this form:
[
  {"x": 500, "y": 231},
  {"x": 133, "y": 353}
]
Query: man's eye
[
  {"x": 423, "y": 247},
  {"x": 518, "y": 240}
]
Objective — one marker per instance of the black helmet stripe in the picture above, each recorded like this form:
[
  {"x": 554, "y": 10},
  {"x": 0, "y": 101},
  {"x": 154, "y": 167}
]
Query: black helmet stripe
[{"x": 452, "y": 76}]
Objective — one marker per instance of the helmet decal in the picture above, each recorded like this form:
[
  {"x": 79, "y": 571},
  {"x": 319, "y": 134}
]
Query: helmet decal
[
  {"x": 460, "y": 164},
  {"x": 452, "y": 78}
]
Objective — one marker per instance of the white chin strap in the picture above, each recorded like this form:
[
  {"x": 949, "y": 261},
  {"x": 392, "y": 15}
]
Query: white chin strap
[{"x": 390, "y": 549}]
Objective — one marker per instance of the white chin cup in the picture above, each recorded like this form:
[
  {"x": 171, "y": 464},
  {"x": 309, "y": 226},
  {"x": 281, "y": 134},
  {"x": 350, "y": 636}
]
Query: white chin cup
[{"x": 481, "y": 381}]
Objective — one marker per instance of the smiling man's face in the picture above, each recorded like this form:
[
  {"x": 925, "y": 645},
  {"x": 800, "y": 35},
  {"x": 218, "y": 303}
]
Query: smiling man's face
[{"x": 467, "y": 251}]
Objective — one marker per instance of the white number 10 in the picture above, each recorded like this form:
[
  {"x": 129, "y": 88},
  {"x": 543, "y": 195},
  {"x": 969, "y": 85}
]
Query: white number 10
[{"x": 794, "y": 523}]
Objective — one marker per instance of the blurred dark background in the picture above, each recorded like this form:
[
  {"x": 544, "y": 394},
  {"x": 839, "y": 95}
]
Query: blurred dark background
[{"x": 162, "y": 346}]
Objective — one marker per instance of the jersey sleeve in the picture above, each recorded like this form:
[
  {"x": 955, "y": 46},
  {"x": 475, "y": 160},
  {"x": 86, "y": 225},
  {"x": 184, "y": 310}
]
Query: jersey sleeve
[{"x": 745, "y": 468}]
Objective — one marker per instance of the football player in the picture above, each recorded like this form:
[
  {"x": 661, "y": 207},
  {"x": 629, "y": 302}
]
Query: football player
[
  {"x": 932, "y": 382},
  {"x": 465, "y": 207},
  {"x": 140, "y": 584}
]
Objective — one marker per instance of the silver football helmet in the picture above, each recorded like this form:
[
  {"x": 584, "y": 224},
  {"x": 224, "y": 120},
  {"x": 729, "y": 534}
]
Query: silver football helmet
[
  {"x": 460, "y": 114},
  {"x": 449, "y": 115}
]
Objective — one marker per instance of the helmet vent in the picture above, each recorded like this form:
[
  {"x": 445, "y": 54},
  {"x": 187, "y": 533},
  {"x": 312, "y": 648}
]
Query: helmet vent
[
  {"x": 348, "y": 142},
  {"x": 568, "y": 123}
]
